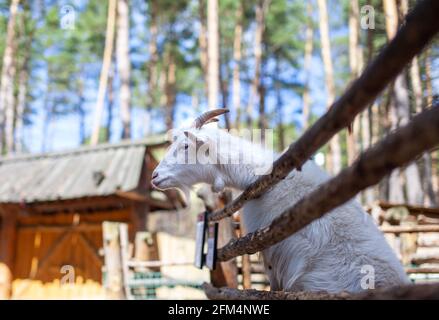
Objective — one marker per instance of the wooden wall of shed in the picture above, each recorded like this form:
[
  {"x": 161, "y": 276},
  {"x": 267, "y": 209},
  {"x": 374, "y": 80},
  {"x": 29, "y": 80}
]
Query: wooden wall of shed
[
  {"x": 45, "y": 243},
  {"x": 8, "y": 216}
]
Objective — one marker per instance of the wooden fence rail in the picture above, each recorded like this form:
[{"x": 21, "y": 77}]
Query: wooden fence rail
[
  {"x": 408, "y": 292},
  {"x": 396, "y": 150},
  {"x": 409, "y": 229},
  {"x": 424, "y": 270},
  {"x": 420, "y": 27}
]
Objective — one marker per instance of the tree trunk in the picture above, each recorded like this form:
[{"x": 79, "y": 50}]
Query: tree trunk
[
  {"x": 262, "y": 116},
  {"x": 263, "y": 122},
  {"x": 356, "y": 63},
  {"x": 434, "y": 155},
  {"x": 110, "y": 102},
  {"x": 261, "y": 11},
  {"x": 396, "y": 193},
  {"x": 380, "y": 116},
  {"x": 46, "y": 122},
  {"x": 401, "y": 110},
  {"x": 153, "y": 60},
  {"x": 108, "y": 51},
  {"x": 81, "y": 112},
  {"x": 279, "y": 111},
  {"x": 202, "y": 40},
  {"x": 415, "y": 77},
  {"x": 366, "y": 134},
  {"x": 354, "y": 24},
  {"x": 213, "y": 53},
  {"x": 333, "y": 163},
  {"x": 23, "y": 78},
  {"x": 237, "y": 56},
  {"x": 7, "y": 98},
  {"x": 170, "y": 89},
  {"x": 309, "y": 38},
  {"x": 124, "y": 67},
  {"x": 21, "y": 106},
  {"x": 429, "y": 196},
  {"x": 153, "y": 53},
  {"x": 224, "y": 80}
]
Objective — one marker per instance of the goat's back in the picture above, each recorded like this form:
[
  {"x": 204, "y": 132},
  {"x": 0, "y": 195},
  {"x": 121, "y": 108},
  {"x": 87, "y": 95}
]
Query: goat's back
[{"x": 342, "y": 251}]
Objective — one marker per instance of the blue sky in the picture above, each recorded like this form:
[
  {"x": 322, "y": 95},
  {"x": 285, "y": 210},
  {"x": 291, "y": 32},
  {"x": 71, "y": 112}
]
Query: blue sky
[{"x": 64, "y": 130}]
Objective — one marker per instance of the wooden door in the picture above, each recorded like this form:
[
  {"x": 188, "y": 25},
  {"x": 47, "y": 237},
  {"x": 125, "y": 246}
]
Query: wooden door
[{"x": 55, "y": 259}]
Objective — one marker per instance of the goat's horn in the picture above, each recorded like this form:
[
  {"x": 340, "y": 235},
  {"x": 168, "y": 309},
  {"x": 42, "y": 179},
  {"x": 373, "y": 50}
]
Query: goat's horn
[
  {"x": 206, "y": 116},
  {"x": 212, "y": 120}
]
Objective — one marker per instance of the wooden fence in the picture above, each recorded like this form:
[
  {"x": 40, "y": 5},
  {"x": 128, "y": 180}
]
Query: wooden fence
[{"x": 396, "y": 150}]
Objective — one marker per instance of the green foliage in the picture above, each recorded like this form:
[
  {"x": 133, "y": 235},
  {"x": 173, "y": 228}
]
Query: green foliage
[
  {"x": 65, "y": 58},
  {"x": 102, "y": 136},
  {"x": 284, "y": 19}
]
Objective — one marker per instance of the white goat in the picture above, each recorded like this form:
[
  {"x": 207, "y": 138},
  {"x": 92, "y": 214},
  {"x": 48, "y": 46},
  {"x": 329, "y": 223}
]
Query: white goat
[{"x": 342, "y": 251}]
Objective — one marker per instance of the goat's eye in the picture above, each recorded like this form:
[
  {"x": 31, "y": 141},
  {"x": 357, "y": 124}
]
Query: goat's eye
[{"x": 186, "y": 146}]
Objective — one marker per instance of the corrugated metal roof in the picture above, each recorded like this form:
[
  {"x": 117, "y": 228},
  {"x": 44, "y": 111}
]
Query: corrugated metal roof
[{"x": 83, "y": 172}]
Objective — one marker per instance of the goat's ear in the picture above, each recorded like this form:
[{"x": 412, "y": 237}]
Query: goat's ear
[
  {"x": 196, "y": 139},
  {"x": 190, "y": 136}
]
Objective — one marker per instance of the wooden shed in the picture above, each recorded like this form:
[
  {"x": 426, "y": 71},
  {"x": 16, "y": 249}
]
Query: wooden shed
[{"x": 52, "y": 207}]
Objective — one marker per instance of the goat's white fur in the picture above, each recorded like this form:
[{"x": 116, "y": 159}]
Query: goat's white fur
[{"x": 330, "y": 254}]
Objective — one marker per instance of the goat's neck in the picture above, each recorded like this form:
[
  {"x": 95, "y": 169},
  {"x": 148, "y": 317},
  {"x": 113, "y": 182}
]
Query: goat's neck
[{"x": 240, "y": 175}]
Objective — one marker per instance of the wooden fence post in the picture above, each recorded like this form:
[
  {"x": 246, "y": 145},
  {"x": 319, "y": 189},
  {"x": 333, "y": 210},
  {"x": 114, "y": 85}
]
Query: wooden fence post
[
  {"x": 225, "y": 273},
  {"x": 146, "y": 249},
  {"x": 245, "y": 259},
  {"x": 124, "y": 250},
  {"x": 113, "y": 262}
]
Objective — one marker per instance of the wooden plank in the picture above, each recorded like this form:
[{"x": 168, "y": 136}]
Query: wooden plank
[
  {"x": 246, "y": 270},
  {"x": 7, "y": 249},
  {"x": 57, "y": 244},
  {"x": 406, "y": 292},
  {"x": 224, "y": 293},
  {"x": 79, "y": 205},
  {"x": 158, "y": 263},
  {"x": 422, "y": 260},
  {"x": 423, "y": 270},
  {"x": 82, "y": 227},
  {"x": 409, "y": 229},
  {"x": 139, "y": 214},
  {"x": 91, "y": 249},
  {"x": 146, "y": 251},
  {"x": 413, "y": 209},
  {"x": 68, "y": 218},
  {"x": 113, "y": 264},
  {"x": 123, "y": 234}
]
